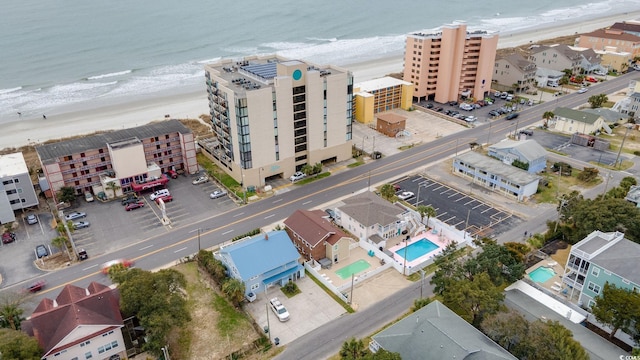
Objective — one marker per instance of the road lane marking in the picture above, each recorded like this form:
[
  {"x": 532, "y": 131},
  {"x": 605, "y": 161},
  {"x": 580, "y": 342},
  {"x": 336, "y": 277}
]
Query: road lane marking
[
  {"x": 275, "y": 201},
  {"x": 240, "y": 214},
  {"x": 90, "y": 267},
  {"x": 307, "y": 202},
  {"x": 227, "y": 232},
  {"x": 146, "y": 247},
  {"x": 272, "y": 215},
  {"x": 184, "y": 248}
]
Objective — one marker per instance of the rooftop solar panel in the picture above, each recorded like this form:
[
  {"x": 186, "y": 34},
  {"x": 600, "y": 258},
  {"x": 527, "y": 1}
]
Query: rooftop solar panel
[{"x": 265, "y": 71}]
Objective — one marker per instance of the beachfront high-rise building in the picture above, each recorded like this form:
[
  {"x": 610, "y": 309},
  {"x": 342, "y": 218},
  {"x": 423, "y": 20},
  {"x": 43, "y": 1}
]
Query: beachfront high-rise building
[
  {"x": 450, "y": 63},
  {"x": 271, "y": 116},
  {"x": 16, "y": 188}
]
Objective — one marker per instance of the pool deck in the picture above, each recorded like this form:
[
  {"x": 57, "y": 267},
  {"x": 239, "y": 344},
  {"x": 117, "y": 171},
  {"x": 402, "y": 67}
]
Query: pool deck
[
  {"x": 355, "y": 255},
  {"x": 554, "y": 284},
  {"x": 441, "y": 241}
]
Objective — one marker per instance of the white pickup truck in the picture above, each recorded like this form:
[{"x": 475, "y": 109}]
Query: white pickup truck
[{"x": 279, "y": 309}]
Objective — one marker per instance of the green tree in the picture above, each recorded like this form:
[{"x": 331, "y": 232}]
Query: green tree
[
  {"x": 508, "y": 329},
  {"x": 596, "y": 101},
  {"x": 307, "y": 169},
  {"x": 548, "y": 115},
  {"x": 606, "y": 215},
  {"x": 60, "y": 242},
  {"x": 617, "y": 308},
  {"x": 113, "y": 186},
  {"x": 473, "y": 299},
  {"x": 317, "y": 168},
  {"x": 426, "y": 210},
  {"x": 517, "y": 250},
  {"x": 382, "y": 354},
  {"x": 67, "y": 194},
  {"x": 11, "y": 312},
  {"x": 520, "y": 164},
  {"x": 448, "y": 269},
  {"x": 15, "y": 344},
  {"x": 158, "y": 301},
  {"x": 234, "y": 290},
  {"x": 387, "y": 191},
  {"x": 497, "y": 261},
  {"x": 551, "y": 340},
  {"x": 620, "y": 191},
  {"x": 420, "y": 303},
  {"x": 588, "y": 174},
  {"x": 353, "y": 349}
]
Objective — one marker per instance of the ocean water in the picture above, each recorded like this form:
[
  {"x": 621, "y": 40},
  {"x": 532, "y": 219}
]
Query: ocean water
[{"x": 57, "y": 55}]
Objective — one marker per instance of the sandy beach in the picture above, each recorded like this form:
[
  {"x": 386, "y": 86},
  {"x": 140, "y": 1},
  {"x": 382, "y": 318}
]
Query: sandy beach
[{"x": 25, "y": 130}]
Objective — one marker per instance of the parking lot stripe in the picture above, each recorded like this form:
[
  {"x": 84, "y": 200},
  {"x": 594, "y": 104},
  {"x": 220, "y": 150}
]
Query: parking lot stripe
[
  {"x": 485, "y": 211},
  {"x": 238, "y": 214},
  {"x": 469, "y": 202},
  {"x": 227, "y": 232},
  {"x": 452, "y": 195},
  {"x": 477, "y": 206},
  {"x": 449, "y": 219},
  {"x": 462, "y": 198},
  {"x": 458, "y": 223},
  {"x": 184, "y": 248}
]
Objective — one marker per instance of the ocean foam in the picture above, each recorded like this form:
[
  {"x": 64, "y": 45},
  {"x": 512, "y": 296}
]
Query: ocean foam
[
  {"x": 6, "y": 91},
  {"x": 119, "y": 73}
]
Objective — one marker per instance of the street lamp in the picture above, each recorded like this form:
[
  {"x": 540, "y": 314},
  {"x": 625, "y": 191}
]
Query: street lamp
[{"x": 198, "y": 230}]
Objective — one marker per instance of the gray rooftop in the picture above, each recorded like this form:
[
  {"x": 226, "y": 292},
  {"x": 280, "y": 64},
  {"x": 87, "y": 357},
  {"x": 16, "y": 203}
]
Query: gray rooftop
[
  {"x": 53, "y": 151},
  {"x": 511, "y": 173},
  {"x": 435, "y": 332},
  {"x": 562, "y": 49},
  {"x": 520, "y": 62},
  {"x": 633, "y": 195},
  {"x": 369, "y": 209},
  {"x": 529, "y": 149},
  {"x": 576, "y": 115},
  {"x": 612, "y": 252},
  {"x": 610, "y": 116}
]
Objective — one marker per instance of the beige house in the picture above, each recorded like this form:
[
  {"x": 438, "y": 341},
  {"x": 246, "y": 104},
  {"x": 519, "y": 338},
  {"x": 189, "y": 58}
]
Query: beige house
[
  {"x": 556, "y": 57},
  {"x": 613, "y": 60},
  {"x": 515, "y": 69},
  {"x": 450, "y": 63},
  {"x": 271, "y": 116},
  {"x": 572, "y": 121},
  {"x": 611, "y": 38}
]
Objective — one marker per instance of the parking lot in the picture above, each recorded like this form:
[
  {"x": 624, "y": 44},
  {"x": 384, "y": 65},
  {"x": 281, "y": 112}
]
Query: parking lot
[
  {"x": 456, "y": 208},
  {"x": 111, "y": 227}
]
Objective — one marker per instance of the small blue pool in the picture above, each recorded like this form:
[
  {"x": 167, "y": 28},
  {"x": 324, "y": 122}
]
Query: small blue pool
[
  {"x": 541, "y": 274},
  {"x": 417, "y": 249}
]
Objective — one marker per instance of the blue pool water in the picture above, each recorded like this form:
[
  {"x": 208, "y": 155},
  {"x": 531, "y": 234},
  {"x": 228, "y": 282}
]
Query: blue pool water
[
  {"x": 541, "y": 274},
  {"x": 417, "y": 249}
]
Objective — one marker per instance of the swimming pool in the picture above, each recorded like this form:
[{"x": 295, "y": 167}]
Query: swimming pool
[
  {"x": 417, "y": 249},
  {"x": 352, "y": 268},
  {"x": 541, "y": 274}
]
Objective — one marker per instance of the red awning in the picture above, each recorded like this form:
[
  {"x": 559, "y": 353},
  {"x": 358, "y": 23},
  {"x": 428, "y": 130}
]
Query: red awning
[{"x": 149, "y": 185}]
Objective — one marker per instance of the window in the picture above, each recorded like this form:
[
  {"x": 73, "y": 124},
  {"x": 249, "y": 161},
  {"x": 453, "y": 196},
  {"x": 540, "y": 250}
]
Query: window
[
  {"x": 255, "y": 286},
  {"x": 595, "y": 271},
  {"x": 591, "y": 303},
  {"x": 88, "y": 355},
  {"x": 594, "y": 287}
]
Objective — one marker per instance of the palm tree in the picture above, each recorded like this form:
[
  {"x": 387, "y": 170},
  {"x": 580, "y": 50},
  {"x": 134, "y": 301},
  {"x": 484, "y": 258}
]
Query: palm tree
[
  {"x": 387, "y": 191},
  {"x": 111, "y": 185},
  {"x": 427, "y": 211},
  {"x": 11, "y": 316},
  {"x": 234, "y": 289},
  {"x": 547, "y": 116},
  {"x": 352, "y": 349}
]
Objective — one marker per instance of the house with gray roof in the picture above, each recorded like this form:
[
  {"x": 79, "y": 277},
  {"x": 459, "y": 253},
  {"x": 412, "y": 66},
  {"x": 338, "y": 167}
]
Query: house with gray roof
[
  {"x": 572, "y": 121},
  {"x": 598, "y": 259},
  {"x": 633, "y": 195},
  {"x": 495, "y": 175},
  {"x": 436, "y": 332},
  {"x": 527, "y": 151},
  {"x": 371, "y": 218},
  {"x": 262, "y": 261},
  {"x": 609, "y": 116},
  {"x": 514, "y": 69},
  {"x": 556, "y": 57}
]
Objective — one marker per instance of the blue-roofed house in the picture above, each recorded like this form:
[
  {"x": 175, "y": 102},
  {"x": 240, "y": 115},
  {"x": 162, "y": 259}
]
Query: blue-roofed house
[
  {"x": 527, "y": 151},
  {"x": 261, "y": 261}
]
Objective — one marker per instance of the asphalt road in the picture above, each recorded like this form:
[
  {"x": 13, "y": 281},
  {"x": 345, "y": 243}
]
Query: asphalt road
[{"x": 162, "y": 249}]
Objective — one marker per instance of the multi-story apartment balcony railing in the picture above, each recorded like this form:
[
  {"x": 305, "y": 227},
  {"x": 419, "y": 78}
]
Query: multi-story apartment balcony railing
[
  {"x": 163, "y": 149},
  {"x": 582, "y": 271},
  {"x": 85, "y": 167},
  {"x": 85, "y": 158}
]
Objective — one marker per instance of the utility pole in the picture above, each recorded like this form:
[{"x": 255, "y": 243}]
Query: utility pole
[
  {"x": 351, "y": 294},
  {"x": 621, "y": 146},
  {"x": 421, "y": 281},
  {"x": 268, "y": 329}
]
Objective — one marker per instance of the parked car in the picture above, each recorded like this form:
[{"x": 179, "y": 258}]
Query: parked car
[
  {"x": 172, "y": 174},
  {"x": 41, "y": 251},
  {"x": 36, "y": 286},
  {"x": 131, "y": 198},
  {"x": 279, "y": 309},
  {"x": 438, "y": 109},
  {"x": 8, "y": 237},
  {"x": 217, "y": 194},
  {"x": 32, "y": 219},
  {"x": 497, "y": 94},
  {"x": 527, "y": 132},
  {"x": 165, "y": 198},
  {"x": 81, "y": 224},
  {"x": 298, "y": 175},
  {"x": 158, "y": 193},
  {"x": 82, "y": 254},
  {"x": 75, "y": 215},
  {"x": 396, "y": 187},
  {"x": 582, "y": 90},
  {"x": 331, "y": 213},
  {"x": 471, "y": 118},
  {"x": 122, "y": 262},
  {"x": 453, "y": 103},
  {"x": 591, "y": 79},
  {"x": 429, "y": 106},
  {"x": 405, "y": 195},
  {"x": 494, "y": 113},
  {"x": 135, "y": 205},
  {"x": 512, "y": 116},
  {"x": 88, "y": 197},
  {"x": 200, "y": 180},
  {"x": 600, "y": 73}
]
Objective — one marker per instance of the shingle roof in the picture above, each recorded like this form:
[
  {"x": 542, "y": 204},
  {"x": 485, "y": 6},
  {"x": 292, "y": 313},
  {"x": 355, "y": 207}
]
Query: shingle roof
[
  {"x": 622, "y": 258},
  {"x": 511, "y": 173},
  {"x": 626, "y": 26},
  {"x": 51, "y": 322},
  {"x": 520, "y": 62},
  {"x": 561, "y": 49},
  {"x": 608, "y": 115},
  {"x": 368, "y": 209},
  {"x": 439, "y": 332},
  {"x": 313, "y": 227},
  {"x": 576, "y": 115},
  {"x": 52, "y": 151},
  {"x": 529, "y": 149},
  {"x": 613, "y": 34},
  {"x": 261, "y": 253}
]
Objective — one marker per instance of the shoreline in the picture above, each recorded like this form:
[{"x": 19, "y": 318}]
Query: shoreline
[{"x": 89, "y": 118}]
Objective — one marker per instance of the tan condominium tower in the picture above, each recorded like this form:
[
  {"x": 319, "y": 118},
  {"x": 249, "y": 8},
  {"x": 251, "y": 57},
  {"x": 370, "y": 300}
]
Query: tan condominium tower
[
  {"x": 450, "y": 63},
  {"x": 271, "y": 116}
]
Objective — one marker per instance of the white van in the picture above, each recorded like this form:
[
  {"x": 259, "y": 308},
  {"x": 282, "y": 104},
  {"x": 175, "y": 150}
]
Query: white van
[
  {"x": 509, "y": 97},
  {"x": 159, "y": 193}
]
